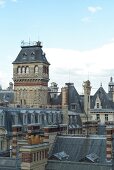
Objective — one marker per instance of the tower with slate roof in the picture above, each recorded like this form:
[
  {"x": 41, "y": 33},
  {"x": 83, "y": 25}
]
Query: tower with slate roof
[{"x": 31, "y": 76}]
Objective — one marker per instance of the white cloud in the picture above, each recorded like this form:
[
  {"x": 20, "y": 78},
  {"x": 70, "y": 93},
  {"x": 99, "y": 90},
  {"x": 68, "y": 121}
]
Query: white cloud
[
  {"x": 75, "y": 66},
  {"x": 94, "y": 9},
  {"x": 2, "y": 3}
]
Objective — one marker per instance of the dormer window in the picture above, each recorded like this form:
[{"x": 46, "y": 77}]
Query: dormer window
[
  {"x": 33, "y": 55},
  {"x": 98, "y": 103},
  {"x": 24, "y": 55},
  {"x": 73, "y": 106}
]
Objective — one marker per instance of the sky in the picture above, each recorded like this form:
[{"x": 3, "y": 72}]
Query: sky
[{"x": 77, "y": 37}]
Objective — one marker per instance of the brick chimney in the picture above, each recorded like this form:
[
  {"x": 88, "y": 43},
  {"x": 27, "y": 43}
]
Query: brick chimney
[
  {"x": 34, "y": 137},
  {"x": 109, "y": 140},
  {"x": 17, "y": 132}
]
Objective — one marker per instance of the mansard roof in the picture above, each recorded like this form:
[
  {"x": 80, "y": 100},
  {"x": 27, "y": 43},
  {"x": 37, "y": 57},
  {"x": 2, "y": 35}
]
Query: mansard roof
[
  {"x": 10, "y": 113},
  {"x": 31, "y": 54},
  {"x": 66, "y": 165},
  {"x": 79, "y": 147},
  {"x": 104, "y": 98}
]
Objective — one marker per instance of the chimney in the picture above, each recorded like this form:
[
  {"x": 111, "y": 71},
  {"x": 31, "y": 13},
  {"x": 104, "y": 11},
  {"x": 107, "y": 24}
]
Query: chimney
[
  {"x": 64, "y": 91},
  {"x": 33, "y": 134},
  {"x": 17, "y": 131},
  {"x": 109, "y": 142},
  {"x": 87, "y": 91}
]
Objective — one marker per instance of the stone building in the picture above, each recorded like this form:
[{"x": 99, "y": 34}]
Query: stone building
[{"x": 31, "y": 76}]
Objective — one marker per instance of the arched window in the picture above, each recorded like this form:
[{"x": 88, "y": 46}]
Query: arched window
[
  {"x": 27, "y": 70},
  {"x": 19, "y": 70},
  {"x": 23, "y": 70},
  {"x": 36, "y": 69}
]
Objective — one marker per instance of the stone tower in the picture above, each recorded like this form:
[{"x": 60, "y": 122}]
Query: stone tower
[
  {"x": 31, "y": 76},
  {"x": 87, "y": 91}
]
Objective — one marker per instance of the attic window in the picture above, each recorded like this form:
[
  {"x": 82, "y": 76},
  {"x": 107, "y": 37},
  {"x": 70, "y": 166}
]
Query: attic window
[
  {"x": 24, "y": 55},
  {"x": 73, "y": 106},
  {"x": 97, "y": 105},
  {"x": 33, "y": 55}
]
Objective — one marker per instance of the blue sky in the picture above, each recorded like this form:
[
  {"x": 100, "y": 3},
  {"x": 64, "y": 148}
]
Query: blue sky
[{"x": 77, "y": 35}]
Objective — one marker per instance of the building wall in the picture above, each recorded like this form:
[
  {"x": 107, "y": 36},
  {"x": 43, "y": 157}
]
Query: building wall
[
  {"x": 103, "y": 116},
  {"x": 30, "y": 84},
  {"x": 34, "y": 157}
]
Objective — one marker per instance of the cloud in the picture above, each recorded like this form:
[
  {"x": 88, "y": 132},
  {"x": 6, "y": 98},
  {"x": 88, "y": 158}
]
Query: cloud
[
  {"x": 2, "y": 3},
  {"x": 94, "y": 9},
  {"x": 76, "y": 66}
]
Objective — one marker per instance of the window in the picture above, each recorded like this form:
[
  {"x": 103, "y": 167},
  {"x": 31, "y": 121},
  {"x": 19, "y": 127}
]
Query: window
[
  {"x": 16, "y": 119},
  {"x": 37, "y": 156},
  {"x": 19, "y": 70},
  {"x": 97, "y": 105},
  {"x": 27, "y": 70},
  {"x": 34, "y": 156},
  {"x": 23, "y": 70},
  {"x": 106, "y": 117},
  {"x": 36, "y": 69},
  {"x": 40, "y": 155},
  {"x": 32, "y": 118},
  {"x": 98, "y": 116},
  {"x": 73, "y": 106},
  {"x": 24, "y": 119}
]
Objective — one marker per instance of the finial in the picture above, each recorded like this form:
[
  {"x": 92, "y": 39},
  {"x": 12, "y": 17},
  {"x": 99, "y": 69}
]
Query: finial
[
  {"x": 101, "y": 84},
  {"x": 111, "y": 79}
]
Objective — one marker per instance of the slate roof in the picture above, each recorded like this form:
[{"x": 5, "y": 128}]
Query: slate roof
[
  {"x": 105, "y": 100},
  {"x": 7, "y": 163},
  {"x": 76, "y": 121},
  {"x": 6, "y": 95},
  {"x": 74, "y": 98},
  {"x": 79, "y": 147},
  {"x": 68, "y": 165},
  {"x": 31, "y": 54},
  {"x": 9, "y": 115}
]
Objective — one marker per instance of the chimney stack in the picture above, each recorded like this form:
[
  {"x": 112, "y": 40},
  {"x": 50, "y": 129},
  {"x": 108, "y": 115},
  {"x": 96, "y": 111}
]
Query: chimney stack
[
  {"x": 109, "y": 142},
  {"x": 17, "y": 131}
]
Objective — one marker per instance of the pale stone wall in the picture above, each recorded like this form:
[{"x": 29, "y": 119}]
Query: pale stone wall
[
  {"x": 102, "y": 116},
  {"x": 30, "y": 87}
]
